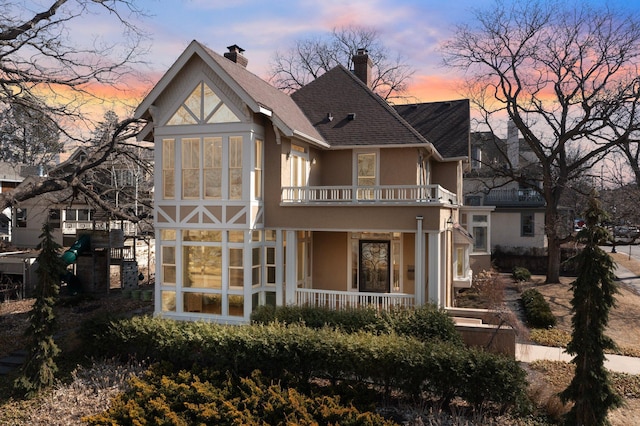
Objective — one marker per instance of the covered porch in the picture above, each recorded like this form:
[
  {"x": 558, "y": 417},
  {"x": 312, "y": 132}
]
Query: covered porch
[{"x": 383, "y": 270}]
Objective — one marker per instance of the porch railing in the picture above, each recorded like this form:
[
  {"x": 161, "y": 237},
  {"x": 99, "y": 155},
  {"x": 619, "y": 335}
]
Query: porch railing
[
  {"x": 380, "y": 194},
  {"x": 346, "y": 300}
]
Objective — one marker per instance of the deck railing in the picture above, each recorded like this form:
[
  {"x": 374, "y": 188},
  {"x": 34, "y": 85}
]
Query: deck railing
[
  {"x": 380, "y": 194},
  {"x": 346, "y": 300},
  {"x": 522, "y": 197}
]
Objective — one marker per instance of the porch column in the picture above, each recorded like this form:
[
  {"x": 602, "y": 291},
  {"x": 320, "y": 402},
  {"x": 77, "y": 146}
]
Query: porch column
[
  {"x": 292, "y": 264},
  {"x": 279, "y": 268},
  {"x": 419, "y": 291},
  {"x": 435, "y": 268}
]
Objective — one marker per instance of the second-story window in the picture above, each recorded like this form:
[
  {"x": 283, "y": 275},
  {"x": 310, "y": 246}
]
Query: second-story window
[
  {"x": 299, "y": 166},
  {"x": 235, "y": 168},
  {"x": 168, "y": 168},
  {"x": 367, "y": 174},
  {"x": 257, "y": 170},
  {"x": 212, "y": 165},
  {"x": 191, "y": 168}
]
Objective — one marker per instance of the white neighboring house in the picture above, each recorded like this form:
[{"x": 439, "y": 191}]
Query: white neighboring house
[{"x": 516, "y": 213}]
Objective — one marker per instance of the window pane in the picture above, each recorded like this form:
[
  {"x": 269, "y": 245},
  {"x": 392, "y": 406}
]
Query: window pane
[
  {"x": 235, "y": 167},
  {"x": 168, "y": 234},
  {"x": 236, "y": 305},
  {"x": 202, "y": 267},
  {"x": 527, "y": 224},
  {"x": 224, "y": 115},
  {"x": 236, "y": 236},
  {"x": 236, "y": 277},
  {"x": 168, "y": 301},
  {"x": 210, "y": 102},
  {"x": 235, "y": 257},
  {"x": 168, "y": 165},
  {"x": 480, "y": 238},
  {"x": 194, "y": 101},
  {"x": 212, "y": 168},
  {"x": 202, "y": 302},
  {"x": 168, "y": 181}
]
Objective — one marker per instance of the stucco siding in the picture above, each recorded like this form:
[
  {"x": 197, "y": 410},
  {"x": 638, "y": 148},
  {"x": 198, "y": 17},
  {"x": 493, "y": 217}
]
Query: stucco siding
[{"x": 330, "y": 255}]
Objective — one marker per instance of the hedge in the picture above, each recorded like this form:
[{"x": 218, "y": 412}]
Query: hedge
[{"x": 294, "y": 354}]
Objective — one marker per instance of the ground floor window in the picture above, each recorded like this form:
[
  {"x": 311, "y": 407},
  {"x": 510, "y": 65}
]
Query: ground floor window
[{"x": 527, "y": 223}]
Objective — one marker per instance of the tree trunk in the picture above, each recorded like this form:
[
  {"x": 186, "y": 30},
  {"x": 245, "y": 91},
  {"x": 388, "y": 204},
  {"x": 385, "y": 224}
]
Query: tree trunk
[{"x": 553, "y": 244}]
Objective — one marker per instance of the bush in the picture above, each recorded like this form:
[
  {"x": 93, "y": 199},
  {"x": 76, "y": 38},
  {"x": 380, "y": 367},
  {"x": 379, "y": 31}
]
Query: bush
[
  {"x": 295, "y": 354},
  {"x": 349, "y": 320},
  {"x": 425, "y": 322},
  {"x": 537, "y": 310},
  {"x": 521, "y": 274},
  {"x": 184, "y": 398}
]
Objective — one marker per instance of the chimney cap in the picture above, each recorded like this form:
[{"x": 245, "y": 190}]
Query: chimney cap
[
  {"x": 235, "y": 48},
  {"x": 361, "y": 51}
]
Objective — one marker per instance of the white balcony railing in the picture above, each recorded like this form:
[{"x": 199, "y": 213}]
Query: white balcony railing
[
  {"x": 381, "y": 194},
  {"x": 346, "y": 300}
]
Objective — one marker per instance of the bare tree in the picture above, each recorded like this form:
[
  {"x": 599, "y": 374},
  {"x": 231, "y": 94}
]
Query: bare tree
[
  {"x": 44, "y": 71},
  {"x": 28, "y": 136},
  {"x": 310, "y": 58},
  {"x": 564, "y": 73}
]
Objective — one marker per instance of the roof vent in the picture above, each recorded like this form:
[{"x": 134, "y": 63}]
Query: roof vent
[
  {"x": 235, "y": 55},
  {"x": 351, "y": 116}
]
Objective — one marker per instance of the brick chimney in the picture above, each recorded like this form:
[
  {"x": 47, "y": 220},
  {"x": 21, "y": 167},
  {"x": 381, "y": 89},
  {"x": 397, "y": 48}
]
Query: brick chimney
[
  {"x": 362, "y": 65},
  {"x": 235, "y": 55}
]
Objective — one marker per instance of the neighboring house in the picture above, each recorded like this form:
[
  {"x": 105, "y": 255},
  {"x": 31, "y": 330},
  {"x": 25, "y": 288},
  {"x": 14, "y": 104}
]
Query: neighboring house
[
  {"x": 69, "y": 214},
  {"x": 328, "y": 197},
  {"x": 10, "y": 176},
  {"x": 517, "y": 213}
]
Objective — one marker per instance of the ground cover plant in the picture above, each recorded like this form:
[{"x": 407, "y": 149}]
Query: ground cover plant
[{"x": 298, "y": 356}]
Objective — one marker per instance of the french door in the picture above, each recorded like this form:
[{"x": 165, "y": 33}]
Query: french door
[{"x": 375, "y": 273}]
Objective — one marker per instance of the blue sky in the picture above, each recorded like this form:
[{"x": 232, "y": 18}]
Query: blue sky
[{"x": 412, "y": 28}]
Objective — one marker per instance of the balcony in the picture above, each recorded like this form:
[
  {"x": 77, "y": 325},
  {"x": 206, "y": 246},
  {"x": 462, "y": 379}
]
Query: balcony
[
  {"x": 367, "y": 195},
  {"x": 514, "y": 198}
]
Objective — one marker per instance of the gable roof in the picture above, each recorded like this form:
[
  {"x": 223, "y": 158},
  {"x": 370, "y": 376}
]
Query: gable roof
[
  {"x": 374, "y": 122},
  {"x": 445, "y": 124},
  {"x": 259, "y": 95}
]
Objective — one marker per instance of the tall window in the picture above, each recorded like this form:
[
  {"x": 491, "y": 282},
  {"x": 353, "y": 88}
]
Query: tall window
[
  {"x": 527, "y": 224},
  {"x": 479, "y": 230},
  {"x": 257, "y": 172},
  {"x": 367, "y": 174},
  {"x": 213, "y": 168},
  {"x": 191, "y": 168},
  {"x": 168, "y": 168},
  {"x": 235, "y": 167}
]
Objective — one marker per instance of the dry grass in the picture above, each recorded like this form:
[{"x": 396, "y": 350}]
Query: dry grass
[{"x": 548, "y": 378}]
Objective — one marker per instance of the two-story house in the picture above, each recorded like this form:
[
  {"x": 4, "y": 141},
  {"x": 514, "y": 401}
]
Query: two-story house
[
  {"x": 493, "y": 195},
  {"x": 327, "y": 197}
]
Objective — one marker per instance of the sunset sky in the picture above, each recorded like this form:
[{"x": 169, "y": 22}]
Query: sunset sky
[{"x": 413, "y": 28}]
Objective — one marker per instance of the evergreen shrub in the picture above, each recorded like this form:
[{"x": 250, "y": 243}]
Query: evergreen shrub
[
  {"x": 537, "y": 310},
  {"x": 521, "y": 274}
]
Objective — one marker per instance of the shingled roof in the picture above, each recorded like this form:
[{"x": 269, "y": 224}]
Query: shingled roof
[
  {"x": 359, "y": 116},
  {"x": 259, "y": 95},
  {"x": 445, "y": 124}
]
